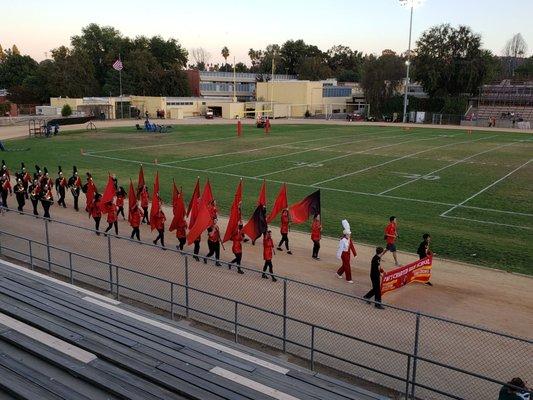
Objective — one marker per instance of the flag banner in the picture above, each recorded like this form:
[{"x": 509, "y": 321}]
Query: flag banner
[
  {"x": 202, "y": 222},
  {"x": 235, "y": 214},
  {"x": 109, "y": 193},
  {"x": 310, "y": 206},
  {"x": 195, "y": 196},
  {"x": 418, "y": 271},
  {"x": 140, "y": 180},
  {"x": 117, "y": 65},
  {"x": 156, "y": 204},
  {"x": 91, "y": 191},
  {"x": 257, "y": 224},
  {"x": 207, "y": 195},
  {"x": 132, "y": 200},
  {"x": 280, "y": 204},
  {"x": 178, "y": 209},
  {"x": 261, "y": 201}
]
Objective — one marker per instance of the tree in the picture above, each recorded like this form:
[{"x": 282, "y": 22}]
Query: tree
[
  {"x": 255, "y": 58},
  {"x": 449, "y": 61},
  {"x": 201, "y": 58},
  {"x": 515, "y": 48},
  {"x": 225, "y": 54},
  {"x": 313, "y": 69},
  {"x": 2, "y": 54},
  {"x": 292, "y": 52},
  {"x": 345, "y": 63},
  {"x": 66, "y": 111},
  {"x": 15, "y": 50},
  {"x": 167, "y": 52},
  {"x": 525, "y": 71},
  {"x": 241, "y": 67}
]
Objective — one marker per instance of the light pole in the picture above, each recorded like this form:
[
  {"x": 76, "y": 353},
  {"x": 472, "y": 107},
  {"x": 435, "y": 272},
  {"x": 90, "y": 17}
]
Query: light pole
[{"x": 411, "y": 4}]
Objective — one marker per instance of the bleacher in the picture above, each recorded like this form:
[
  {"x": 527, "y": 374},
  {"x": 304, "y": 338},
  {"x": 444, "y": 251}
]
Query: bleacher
[{"x": 58, "y": 341}]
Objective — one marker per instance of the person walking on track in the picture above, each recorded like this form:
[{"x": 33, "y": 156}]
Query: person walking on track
[
  {"x": 346, "y": 247},
  {"x": 268, "y": 251},
  {"x": 375, "y": 277}
]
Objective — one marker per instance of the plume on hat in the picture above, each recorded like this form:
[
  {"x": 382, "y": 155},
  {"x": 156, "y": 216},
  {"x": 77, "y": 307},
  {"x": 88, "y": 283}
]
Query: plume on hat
[{"x": 346, "y": 227}]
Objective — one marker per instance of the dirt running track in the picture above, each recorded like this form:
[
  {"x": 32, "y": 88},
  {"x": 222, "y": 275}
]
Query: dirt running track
[{"x": 479, "y": 296}]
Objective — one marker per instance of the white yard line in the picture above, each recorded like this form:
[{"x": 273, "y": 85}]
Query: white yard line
[
  {"x": 302, "y": 185},
  {"x": 450, "y": 165},
  {"x": 308, "y": 150},
  {"x": 487, "y": 222},
  {"x": 486, "y": 188},
  {"x": 344, "y": 156}
]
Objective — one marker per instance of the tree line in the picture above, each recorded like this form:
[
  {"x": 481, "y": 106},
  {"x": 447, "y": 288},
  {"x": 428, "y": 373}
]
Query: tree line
[{"x": 449, "y": 62}]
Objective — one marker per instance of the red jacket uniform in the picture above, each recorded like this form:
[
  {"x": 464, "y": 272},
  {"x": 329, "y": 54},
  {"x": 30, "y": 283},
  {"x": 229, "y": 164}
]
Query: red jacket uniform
[
  {"x": 284, "y": 223},
  {"x": 268, "y": 245},
  {"x": 135, "y": 217},
  {"x": 160, "y": 226},
  {"x": 120, "y": 200},
  {"x": 214, "y": 235},
  {"x": 316, "y": 229},
  {"x": 95, "y": 209},
  {"x": 236, "y": 248},
  {"x": 181, "y": 230},
  {"x": 111, "y": 214},
  {"x": 145, "y": 198}
]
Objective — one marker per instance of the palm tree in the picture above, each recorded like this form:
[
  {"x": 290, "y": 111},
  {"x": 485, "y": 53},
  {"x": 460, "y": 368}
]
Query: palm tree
[{"x": 225, "y": 54}]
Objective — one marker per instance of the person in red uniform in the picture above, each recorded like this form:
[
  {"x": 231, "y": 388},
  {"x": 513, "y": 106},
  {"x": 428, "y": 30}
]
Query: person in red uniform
[
  {"x": 135, "y": 221},
  {"x": 5, "y": 189},
  {"x": 391, "y": 234},
  {"x": 181, "y": 234},
  {"x": 268, "y": 251},
  {"x": 121, "y": 195},
  {"x": 47, "y": 200},
  {"x": 316, "y": 234},
  {"x": 213, "y": 210},
  {"x": 284, "y": 230},
  {"x": 145, "y": 199},
  {"x": 346, "y": 247},
  {"x": 61, "y": 188},
  {"x": 213, "y": 242},
  {"x": 236, "y": 248},
  {"x": 161, "y": 218},
  {"x": 111, "y": 217},
  {"x": 96, "y": 212}
]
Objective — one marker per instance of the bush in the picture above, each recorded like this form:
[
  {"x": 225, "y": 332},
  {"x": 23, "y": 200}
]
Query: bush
[
  {"x": 307, "y": 114},
  {"x": 66, "y": 111}
]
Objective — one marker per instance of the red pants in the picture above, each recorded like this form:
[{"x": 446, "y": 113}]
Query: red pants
[{"x": 345, "y": 267}]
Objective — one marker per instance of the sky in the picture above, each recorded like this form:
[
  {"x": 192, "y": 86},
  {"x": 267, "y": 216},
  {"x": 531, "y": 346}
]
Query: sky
[{"x": 36, "y": 27}]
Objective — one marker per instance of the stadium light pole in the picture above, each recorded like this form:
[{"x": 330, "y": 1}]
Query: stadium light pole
[{"x": 411, "y": 4}]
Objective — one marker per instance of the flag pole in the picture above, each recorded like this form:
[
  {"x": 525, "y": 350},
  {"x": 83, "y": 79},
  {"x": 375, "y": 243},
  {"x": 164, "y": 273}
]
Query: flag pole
[{"x": 120, "y": 83}]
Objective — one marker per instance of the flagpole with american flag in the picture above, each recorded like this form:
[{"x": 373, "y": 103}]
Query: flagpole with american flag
[{"x": 118, "y": 66}]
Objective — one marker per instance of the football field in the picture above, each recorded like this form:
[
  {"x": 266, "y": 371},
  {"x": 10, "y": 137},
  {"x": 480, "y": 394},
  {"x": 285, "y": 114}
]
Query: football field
[{"x": 473, "y": 192}]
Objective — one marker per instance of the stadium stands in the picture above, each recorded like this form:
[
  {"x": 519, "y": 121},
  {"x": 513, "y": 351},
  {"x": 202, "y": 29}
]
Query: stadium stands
[{"x": 58, "y": 341}]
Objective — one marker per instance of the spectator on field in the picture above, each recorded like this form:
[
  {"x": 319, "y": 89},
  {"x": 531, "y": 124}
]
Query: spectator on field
[{"x": 512, "y": 393}]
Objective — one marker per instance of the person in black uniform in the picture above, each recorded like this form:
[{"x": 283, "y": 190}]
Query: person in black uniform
[
  {"x": 26, "y": 179},
  {"x": 20, "y": 194},
  {"x": 61, "y": 187},
  {"x": 5, "y": 188},
  {"x": 35, "y": 195},
  {"x": 74, "y": 183},
  {"x": 375, "y": 277},
  {"x": 47, "y": 199},
  {"x": 423, "y": 250}
]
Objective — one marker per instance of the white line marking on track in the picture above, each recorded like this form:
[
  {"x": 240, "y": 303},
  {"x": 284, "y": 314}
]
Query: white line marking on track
[
  {"x": 449, "y": 165},
  {"x": 486, "y": 188},
  {"x": 259, "y": 387},
  {"x": 191, "y": 336},
  {"x": 47, "y": 340},
  {"x": 487, "y": 222}
]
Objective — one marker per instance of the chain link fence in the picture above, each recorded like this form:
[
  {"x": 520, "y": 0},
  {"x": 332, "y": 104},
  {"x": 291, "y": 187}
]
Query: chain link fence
[{"x": 418, "y": 355}]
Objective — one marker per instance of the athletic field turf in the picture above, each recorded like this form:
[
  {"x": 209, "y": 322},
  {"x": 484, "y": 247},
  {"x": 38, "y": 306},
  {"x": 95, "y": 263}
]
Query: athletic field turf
[{"x": 472, "y": 192}]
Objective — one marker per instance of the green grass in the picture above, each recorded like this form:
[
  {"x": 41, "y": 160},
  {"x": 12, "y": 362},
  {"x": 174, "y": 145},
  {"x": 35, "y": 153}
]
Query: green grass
[{"x": 370, "y": 159}]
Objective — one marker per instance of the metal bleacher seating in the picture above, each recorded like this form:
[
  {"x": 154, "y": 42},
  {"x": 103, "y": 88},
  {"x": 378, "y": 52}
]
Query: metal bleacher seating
[{"x": 58, "y": 341}]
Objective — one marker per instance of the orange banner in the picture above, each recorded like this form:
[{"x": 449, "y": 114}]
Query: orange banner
[{"x": 418, "y": 271}]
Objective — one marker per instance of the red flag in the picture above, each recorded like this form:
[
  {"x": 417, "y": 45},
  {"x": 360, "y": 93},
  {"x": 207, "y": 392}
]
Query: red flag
[
  {"x": 91, "y": 190},
  {"x": 262, "y": 199},
  {"x": 195, "y": 196},
  {"x": 207, "y": 195},
  {"x": 140, "y": 180},
  {"x": 202, "y": 222},
  {"x": 309, "y": 206},
  {"x": 178, "y": 208},
  {"x": 156, "y": 205},
  {"x": 132, "y": 200},
  {"x": 109, "y": 192},
  {"x": 234, "y": 216},
  {"x": 280, "y": 203}
]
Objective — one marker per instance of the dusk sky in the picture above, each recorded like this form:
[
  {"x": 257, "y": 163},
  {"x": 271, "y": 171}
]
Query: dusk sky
[{"x": 369, "y": 26}]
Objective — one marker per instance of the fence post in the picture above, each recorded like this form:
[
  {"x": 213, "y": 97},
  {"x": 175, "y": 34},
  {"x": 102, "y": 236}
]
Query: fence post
[
  {"x": 172, "y": 300},
  {"x": 117, "y": 282},
  {"x": 47, "y": 245},
  {"x": 236, "y": 322},
  {"x": 31, "y": 254},
  {"x": 187, "y": 286},
  {"x": 408, "y": 377},
  {"x": 284, "y": 315},
  {"x": 70, "y": 267},
  {"x": 0, "y": 243},
  {"x": 110, "y": 263},
  {"x": 415, "y": 355},
  {"x": 312, "y": 347}
]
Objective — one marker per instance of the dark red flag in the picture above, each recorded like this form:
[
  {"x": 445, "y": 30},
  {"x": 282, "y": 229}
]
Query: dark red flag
[
  {"x": 109, "y": 193},
  {"x": 207, "y": 195},
  {"x": 257, "y": 224},
  {"x": 156, "y": 204},
  {"x": 310, "y": 206},
  {"x": 140, "y": 180},
  {"x": 178, "y": 208},
  {"x": 262, "y": 199},
  {"x": 280, "y": 203},
  {"x": 132, "y": 200},
  {"x": 202, "y": 222},
  {"x": 235, "y": 214},
  {"x": 195, "y": 196}
]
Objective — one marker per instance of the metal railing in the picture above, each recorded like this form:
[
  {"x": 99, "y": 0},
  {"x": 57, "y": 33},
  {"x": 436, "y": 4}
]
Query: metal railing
[{"x": 425, "y": 356}]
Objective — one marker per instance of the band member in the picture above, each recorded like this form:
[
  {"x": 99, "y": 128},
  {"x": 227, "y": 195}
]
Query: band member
[
  {"x": 115, "y": 182},
  {"x": 196, "y": 249},
  {"x": 161, "y": 218},
  {"x": 47, "y": 199},
  {"x": 26, "y": 179},
  {"x": 213, "y": 210},
  {"x": 38, "y": 173},
  {"x": 111, "y": 217},
  {"x": 236, "y": 248},
  {"x": 121, "y": 195},
  {"x": 5, "y": 188},
  {"x": 268, "y": 251},
  {"x": 284, "y": 230},
  {"x": 135, "y": 221},
  {"x": 145, "y": 199},
  {"x": 85, "y": 189},
  {"x": 423, "y": 250},
  {"x": 46, "y": 180},
  {"x": 5, "y": 170},
  {"x": 74, "y": 183},
  {"x": 61, "y": 187},
  {"x": 375, "y": 277},
  {"x": 346, "y": 247},
  {"x": 316, "y": 234},
  {"x": 181, "y": 234},
  {"x": 391, "y": 234},
  {"x": 213, "y": 242},
  {"x": 96, "y": 212},
  {"x": 20, "y": 194},
  {"x": 35, "y": 195}
]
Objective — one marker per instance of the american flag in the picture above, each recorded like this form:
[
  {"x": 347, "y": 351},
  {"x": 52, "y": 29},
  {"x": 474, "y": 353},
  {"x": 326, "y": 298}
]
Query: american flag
[{"x": 118, "y": 65}]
